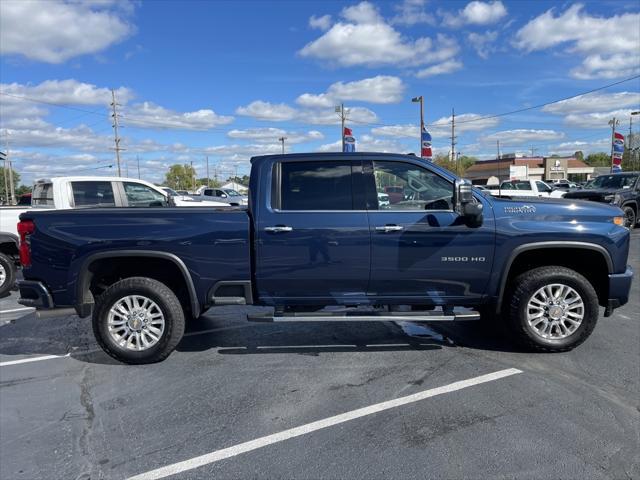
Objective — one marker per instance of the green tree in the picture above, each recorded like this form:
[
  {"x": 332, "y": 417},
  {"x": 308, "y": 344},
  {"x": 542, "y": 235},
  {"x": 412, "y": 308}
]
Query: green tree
[
  {"x": 180, "y": 177},
  {"x": 243, "y": 180},
  {"x": 599, "y": 159},
  {"x": 579, "y": 155},
  {"x": 464, "y": 162},
  {"x": 4, "y": 173},
  {"x": 212, "y": 182}
]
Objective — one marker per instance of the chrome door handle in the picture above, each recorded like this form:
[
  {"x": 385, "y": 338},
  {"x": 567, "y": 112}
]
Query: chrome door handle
[
  {"x": 389, "y": 228},
  {"x": 278, "y": 229}
]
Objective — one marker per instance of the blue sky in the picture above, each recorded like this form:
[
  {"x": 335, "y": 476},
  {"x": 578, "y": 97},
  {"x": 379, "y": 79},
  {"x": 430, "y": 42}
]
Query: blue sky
[{"x": 227, "y": 79}]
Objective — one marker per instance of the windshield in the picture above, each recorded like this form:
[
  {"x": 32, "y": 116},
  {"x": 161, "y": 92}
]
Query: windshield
[
  {"x": 614, "y": 181},
  {"x": 231, "y": 192}
]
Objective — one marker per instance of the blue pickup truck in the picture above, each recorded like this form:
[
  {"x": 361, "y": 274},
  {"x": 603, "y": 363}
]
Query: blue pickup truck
[{"x": 317, "y": 245}]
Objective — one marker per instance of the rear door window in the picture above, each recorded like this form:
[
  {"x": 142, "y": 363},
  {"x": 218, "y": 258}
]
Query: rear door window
[
  {"x": 42, "y": 195},
  {"x": 316, "y": 186},
  {"x": 93, "y": 194}
]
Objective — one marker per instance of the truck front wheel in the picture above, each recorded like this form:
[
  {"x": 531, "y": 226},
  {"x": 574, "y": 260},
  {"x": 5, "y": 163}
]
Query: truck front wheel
[
  {"x": 552, "y": 309},
  {"x": 138, "y": 320}
]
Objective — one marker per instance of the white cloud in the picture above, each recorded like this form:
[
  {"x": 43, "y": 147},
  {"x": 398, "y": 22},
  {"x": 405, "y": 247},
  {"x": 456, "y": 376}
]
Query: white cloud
[
  {"x": 363, "y": 37},
  {"x": 281, "y": 112},
  {"x": 359, "y": 115},
  {"x": 522, "y": 135},
  {"x": 321, "y": 23},
  {"x": 54, "y": 31},
  {"x": 268, "y": 111},
  {"x": 368, "y": 143},
  {"x": 47, "y": 136},
  {"x": 476, "y": 13},
  {"x": 150, "y": 115},
  {"x": 410, "y": 131},
  {"x": 65, "y": 92},
  {"x": 443, "y": 68},
  {"x": 595, "y": 102},
  {"x": 483, "y": 43},
  {"x": 596, "y": 119},
  {"x": 412, "y": 12},
  {"x": 271, "y": 135},
  {"x": 380, "y": 89},
  {"x": 611, "y": 46},
  {"x": 441, "y": 128}
]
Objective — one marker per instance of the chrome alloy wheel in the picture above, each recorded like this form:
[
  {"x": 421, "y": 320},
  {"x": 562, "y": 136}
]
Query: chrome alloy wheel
[
  {"x": 135, "y": 322},
  {"x": 3, "y": 275},
  {"x": 555, "y": 311}
]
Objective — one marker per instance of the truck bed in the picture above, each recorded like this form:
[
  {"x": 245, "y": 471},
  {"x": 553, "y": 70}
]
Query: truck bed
[{"x": 213, "y": 243}]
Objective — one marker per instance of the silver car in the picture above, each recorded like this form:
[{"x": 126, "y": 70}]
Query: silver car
[{"x": 227, "y": 195}]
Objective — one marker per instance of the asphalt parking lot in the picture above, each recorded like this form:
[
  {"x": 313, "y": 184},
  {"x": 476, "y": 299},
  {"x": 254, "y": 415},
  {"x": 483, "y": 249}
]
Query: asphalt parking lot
[{"x": 375, "y": 400}]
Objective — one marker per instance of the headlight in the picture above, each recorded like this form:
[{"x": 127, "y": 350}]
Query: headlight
[
  {"x": 618, "y": 221},
  {"x": 609, "y": 198}
]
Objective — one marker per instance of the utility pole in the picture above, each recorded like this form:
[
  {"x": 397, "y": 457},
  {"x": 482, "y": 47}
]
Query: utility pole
[
  {"x": 614, "y": 123},
  {"x": 282, "y": 139},
  {"x": 453, "y": 135},
  {"x": 207, "y": 158},
  {"x": 138, "y": 162},
  {"x": 193, "y": 178},
  {"x": 420, "y": 100},
  {"x": 533, "y": 150},
  {"x": 114, "y": 114},
  {"x": 343, "y": 116},
  {"x": 12, "y": 192},
  {"x": 4, "y": 171}
]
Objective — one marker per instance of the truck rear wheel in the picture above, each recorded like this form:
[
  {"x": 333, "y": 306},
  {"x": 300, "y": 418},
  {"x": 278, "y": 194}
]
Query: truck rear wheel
[
  {"x": 552, "y": 309},
  {"x": 7, "y": 274},
  {"x": 138, "y": 320}
]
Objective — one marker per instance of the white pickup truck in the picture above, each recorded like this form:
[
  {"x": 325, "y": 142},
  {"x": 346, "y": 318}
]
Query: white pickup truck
[
  {"x": 525, "y": 188},
  {"x": 61, "y": 193}
]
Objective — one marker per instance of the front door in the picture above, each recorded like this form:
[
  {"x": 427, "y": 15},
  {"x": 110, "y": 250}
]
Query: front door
[
  {"x": 313, "y": 238},
  {"x": 421, "y": 248}
]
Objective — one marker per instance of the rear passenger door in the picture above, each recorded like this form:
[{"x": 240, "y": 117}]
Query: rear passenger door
[{"x": 313, "y": 242}]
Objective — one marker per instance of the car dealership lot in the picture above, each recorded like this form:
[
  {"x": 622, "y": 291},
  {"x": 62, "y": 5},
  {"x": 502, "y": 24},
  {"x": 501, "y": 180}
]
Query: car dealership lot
[{"x": 66, "y": 413}]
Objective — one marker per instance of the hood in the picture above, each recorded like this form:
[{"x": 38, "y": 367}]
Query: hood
[{"x": 555, "y": 209}]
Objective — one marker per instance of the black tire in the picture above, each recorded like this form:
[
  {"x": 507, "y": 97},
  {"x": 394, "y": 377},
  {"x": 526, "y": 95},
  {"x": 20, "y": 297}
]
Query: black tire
[
  {"x": 8, "y": 266},
  {"x": 525, "y": 286},
  {"x": 630, "y": 217},
  {"x": 166, "y": 301}
]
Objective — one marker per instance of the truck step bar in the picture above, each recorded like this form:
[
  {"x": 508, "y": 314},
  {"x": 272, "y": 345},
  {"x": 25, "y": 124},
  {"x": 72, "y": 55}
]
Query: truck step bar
[{"x": 354, "y": 316}]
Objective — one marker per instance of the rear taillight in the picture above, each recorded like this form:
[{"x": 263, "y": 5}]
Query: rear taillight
[{"x": 25, "y": 228}]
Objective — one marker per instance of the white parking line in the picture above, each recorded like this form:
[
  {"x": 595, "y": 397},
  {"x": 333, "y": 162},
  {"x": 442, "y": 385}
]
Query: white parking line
[
  {"x": 86, "y": 352},
  {"x": 16, "y": 310},
  {"x": 218, "y": 455}
]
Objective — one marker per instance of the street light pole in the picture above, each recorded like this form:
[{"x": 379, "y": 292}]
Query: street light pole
[
  {"x": 282, "y": 139},
  {"x": 420, "y": 100},
  {"x": 614, "y": 123}
]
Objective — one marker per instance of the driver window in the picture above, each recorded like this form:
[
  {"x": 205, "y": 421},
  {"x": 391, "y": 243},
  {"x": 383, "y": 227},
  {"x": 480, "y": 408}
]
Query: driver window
[{"x": 403, "y": 186}]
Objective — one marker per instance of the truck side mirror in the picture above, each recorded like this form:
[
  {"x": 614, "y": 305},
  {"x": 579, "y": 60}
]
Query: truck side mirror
[{"x": 465, "y": 204}]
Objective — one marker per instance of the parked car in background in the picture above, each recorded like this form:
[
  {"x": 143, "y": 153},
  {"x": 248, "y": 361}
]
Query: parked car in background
[
  {"x": 63, "y": 193},
  {"x": 565, "y": 185},
  {"x": 227, "y": 195},
  {"x": 525, "y": 188},
  {"x": 185, "y": 200},
  {"x": 621, "y": 189},
  {"x": 383, "y": 199}
]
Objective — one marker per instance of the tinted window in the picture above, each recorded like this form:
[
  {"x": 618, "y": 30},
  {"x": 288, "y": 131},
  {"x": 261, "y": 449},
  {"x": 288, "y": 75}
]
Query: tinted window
[
  {"x": 543, "y": 187},
  {"x": 316, "y": 186},
  {"x": 42, "y": 195},
  {"x": 93, "y": 194},
  {"x": 410, "y": 187},
  {"x": 139, "y": 195}
]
